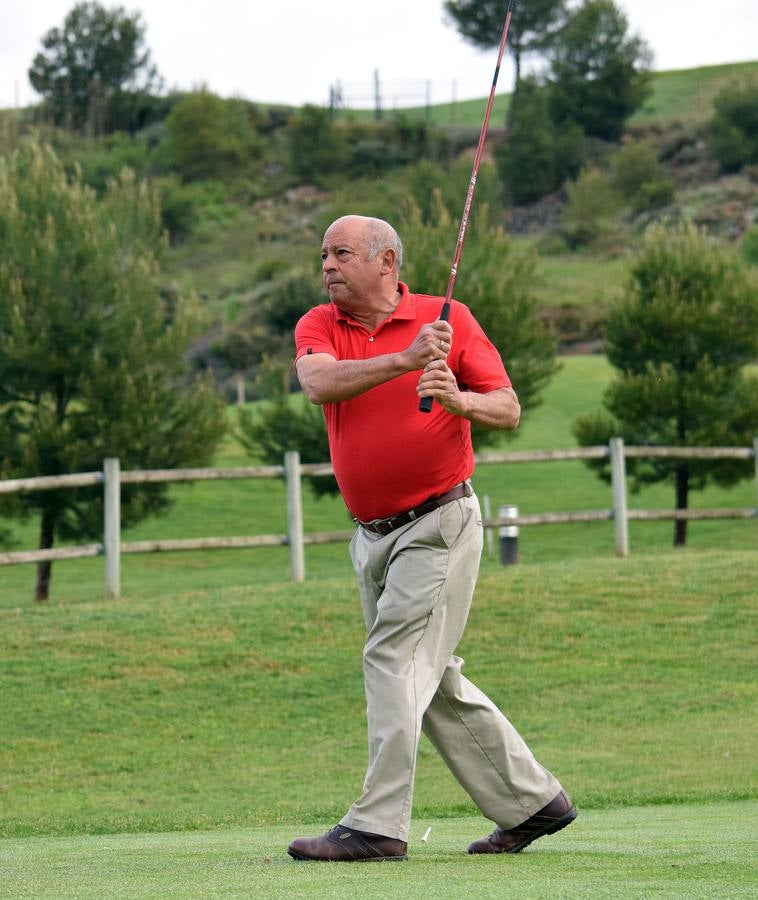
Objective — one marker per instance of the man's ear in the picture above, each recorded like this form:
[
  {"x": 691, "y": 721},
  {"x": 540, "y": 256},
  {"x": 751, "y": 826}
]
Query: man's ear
[{"x": 389, "y": 259}]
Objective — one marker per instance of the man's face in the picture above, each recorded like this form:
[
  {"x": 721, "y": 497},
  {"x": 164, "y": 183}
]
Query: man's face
[{"x": 349, "y": 277}]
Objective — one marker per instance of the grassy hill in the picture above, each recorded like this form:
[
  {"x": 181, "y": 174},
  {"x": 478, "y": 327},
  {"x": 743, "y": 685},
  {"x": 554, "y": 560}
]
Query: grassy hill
[{"x": 682, "y": 95}]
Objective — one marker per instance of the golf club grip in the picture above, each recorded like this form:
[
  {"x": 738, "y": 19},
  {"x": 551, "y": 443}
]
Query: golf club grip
[{"x": 425, "y": 404}]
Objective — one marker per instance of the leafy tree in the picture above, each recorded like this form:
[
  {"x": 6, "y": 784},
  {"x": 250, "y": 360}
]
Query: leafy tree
[
  {"x": 286, "y": 422},
  {"x": 316, "y": 148},
  {"x": 598, "y": 73},
  {"x": 733, "y": 130},
  {"x": 263, "y": 330},
  {"x": 526, "y": 160},
  {"x": 89, "y": 62},
  {"x": 680, "y": 341},
  {"x": 209, "y": 137},
  {"x": 91, "y": 353},
  {"x": 533, "y": 27},
  {"x": 496, "y": 283},
  {"x": 262, "y": 342}
]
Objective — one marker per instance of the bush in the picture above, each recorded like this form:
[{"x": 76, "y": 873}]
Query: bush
[
  {"x": 317, "y": 149},
  {"x": 208, "y": 137},
  {"x": 179, "y": 214},
  {"x": 104, "y": 159},
  {"x": 639, "y": 178},
  {"x": 498, "y": 284},
  {"x": 749, "y": 245},
  {"x": 592, "y": 204},
  {"x": 733, "y": 130},
  {"x": 526, "y": 159}
]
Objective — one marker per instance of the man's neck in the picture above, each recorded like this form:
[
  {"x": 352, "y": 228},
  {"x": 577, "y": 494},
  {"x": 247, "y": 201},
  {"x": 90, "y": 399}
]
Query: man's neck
[{"x": 373, "y": 318}]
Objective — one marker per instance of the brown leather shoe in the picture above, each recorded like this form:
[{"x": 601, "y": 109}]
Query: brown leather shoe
[
  {"x": 342, "y": 844},
  {"x": 557, "y": 814}
]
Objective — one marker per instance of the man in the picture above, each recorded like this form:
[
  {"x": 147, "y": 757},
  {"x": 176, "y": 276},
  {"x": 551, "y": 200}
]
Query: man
[{"x": 368, "y": 357}]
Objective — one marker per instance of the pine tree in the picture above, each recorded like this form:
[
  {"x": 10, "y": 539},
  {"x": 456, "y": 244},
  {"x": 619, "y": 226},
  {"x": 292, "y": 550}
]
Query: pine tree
[
  {"x": 681, "y": 341},
  {"x": 91, "y": 353}
]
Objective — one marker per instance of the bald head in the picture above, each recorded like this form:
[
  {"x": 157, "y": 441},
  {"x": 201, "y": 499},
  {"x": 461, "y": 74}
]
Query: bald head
[{"x": 376, "y": 235}]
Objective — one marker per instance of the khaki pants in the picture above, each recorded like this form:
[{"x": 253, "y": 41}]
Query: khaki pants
[{"x": 416, "y": 585}]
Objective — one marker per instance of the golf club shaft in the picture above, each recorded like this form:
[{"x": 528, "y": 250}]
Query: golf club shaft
[{"x": 426, "y": 402}]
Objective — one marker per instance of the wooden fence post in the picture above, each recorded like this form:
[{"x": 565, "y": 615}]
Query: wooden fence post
[
  {"x": 618, "y": 485},
  {"x": 112, "y": 527},
  {"x": 294, "y": 514}
]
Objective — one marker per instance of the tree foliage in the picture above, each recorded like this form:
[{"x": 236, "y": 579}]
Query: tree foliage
[
  {"x": 536, "y": 157},
  {"x": 496, "y": 282},
  {"x": 316, "y": 149},
  {"x": 285, "y": 422},
  {"x": 86, "y": 66},
  {"x": 91, "y": 352},
  {"x": 209, "y": 137},
  {"x": 598, "y": 72},
  {"x": 733, "y": 130},
  {"x": 534, "y": 24},
  {"x": 680, "y": 341}
]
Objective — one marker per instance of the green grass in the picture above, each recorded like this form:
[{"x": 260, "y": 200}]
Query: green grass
[
  {"x": 632, "y": 680},
  {"x": 579, "y": 279},
  {"x": 687, "y": 851},
  {"x": 687, "y": 95}
]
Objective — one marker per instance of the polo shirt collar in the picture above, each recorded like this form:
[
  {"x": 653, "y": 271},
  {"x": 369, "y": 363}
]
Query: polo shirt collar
[{"x": 406, "y": 308}]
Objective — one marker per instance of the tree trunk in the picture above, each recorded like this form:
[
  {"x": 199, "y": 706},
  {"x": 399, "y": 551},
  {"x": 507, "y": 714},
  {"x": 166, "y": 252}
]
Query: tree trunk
[
  {"x": 239, "y": 380},
  {"x": 516, "y": 50},
  {"x": 44, "y": 569},
  {"x": 682, "y": 495}
]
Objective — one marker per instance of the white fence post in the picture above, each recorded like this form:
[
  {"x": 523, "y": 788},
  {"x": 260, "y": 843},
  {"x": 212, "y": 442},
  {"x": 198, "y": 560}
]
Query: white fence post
[
  {"x": 755, "y": 458},
  {"x": 487, "y": 509},
  {"x": 618, "y": 484},
  {"x": 294, "y": 514},
  {"x": 112, "y": 527}
]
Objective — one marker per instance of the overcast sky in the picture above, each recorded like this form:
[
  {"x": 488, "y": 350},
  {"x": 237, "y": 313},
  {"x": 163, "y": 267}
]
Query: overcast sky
[{"x": 292, "y": 51}]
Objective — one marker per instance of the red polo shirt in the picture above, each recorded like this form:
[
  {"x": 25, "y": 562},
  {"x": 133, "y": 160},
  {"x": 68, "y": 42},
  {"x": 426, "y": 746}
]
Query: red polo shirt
[{"x": 388, "y": 456}]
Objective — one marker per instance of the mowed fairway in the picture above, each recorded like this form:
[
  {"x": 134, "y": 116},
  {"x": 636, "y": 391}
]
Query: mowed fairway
[{"x": 632, "y": 852}]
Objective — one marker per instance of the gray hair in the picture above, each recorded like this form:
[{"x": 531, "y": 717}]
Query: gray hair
[{"x": 382, "y": 236}]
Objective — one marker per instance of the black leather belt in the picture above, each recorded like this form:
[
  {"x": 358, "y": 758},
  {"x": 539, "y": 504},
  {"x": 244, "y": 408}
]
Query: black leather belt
[{"x": 385, "y": 526}]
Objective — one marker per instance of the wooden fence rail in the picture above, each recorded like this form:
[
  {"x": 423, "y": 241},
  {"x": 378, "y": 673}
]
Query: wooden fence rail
[{"x": 293, "y": 471}]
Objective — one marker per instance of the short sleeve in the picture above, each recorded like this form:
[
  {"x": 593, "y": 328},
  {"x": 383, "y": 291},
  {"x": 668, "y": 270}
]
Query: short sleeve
[
  {"x": 477, "y": 364},
  {"x": 313, "y": 333}
]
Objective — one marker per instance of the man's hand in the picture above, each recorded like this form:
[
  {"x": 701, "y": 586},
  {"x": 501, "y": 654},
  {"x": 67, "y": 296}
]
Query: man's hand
[
  {"x": 498, "y": 409},
  {"x": 438, "y": 381},
  {"x": 433, "y": 342}
]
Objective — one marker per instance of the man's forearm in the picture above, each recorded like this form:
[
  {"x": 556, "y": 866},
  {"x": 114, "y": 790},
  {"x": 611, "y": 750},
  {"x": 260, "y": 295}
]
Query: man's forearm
[
  {"x": 497, "y": 409},
  {"x": 329, "y": 380}
]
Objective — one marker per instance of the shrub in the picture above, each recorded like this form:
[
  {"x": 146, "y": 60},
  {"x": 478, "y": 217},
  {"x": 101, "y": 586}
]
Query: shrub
[
  {"x": 208, "y": 137},
  {"x": 733, "y": 131},
  {"x": 317, "y": 149},
  {"x": 526, "y": 159},
  {"x": 639, "y": 178},
  {"x": 749, "y": 245},
  {"x": 592, "y": 204}
]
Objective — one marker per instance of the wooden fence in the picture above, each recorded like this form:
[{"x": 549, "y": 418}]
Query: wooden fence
[{"x": 293, "y": 471}]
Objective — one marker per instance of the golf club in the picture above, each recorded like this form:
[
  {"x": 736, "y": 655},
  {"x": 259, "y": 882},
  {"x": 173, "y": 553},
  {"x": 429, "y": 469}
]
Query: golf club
[{"x": 426, "y": 402}]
